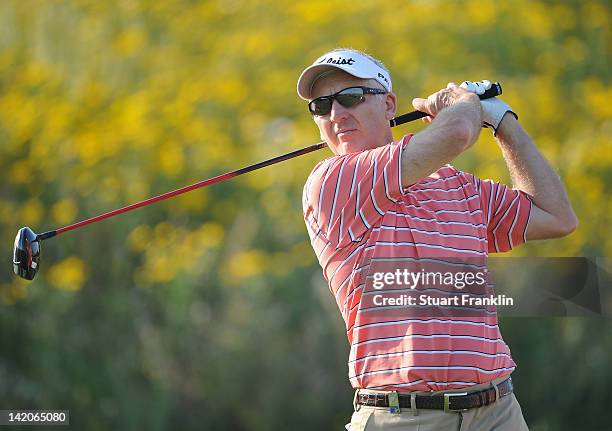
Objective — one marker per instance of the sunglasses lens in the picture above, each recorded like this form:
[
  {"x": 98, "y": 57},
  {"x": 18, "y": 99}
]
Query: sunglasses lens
[
  {"x": 348, "y": 97},
  {"x": 348, "y": 100},
  {"x": 320, "y": 106}
]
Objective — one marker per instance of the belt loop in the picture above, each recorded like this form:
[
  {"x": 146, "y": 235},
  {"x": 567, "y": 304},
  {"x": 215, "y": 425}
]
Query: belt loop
[
  {"x": 356, "y": 406},
  {"x": 413, "y": 406},
  {"x": 394, "y": 406},
  {"x": 496, "y": 390}
]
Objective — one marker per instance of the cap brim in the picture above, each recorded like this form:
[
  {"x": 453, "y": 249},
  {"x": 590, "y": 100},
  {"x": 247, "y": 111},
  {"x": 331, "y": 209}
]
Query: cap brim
[{"x": 310, "y": 75}]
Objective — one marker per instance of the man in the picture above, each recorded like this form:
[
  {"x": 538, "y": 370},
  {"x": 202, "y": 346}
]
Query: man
[{"x": 378, "y": 200}]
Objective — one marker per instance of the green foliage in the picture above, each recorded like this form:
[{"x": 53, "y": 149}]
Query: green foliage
[{"x": 210, "y": 311}]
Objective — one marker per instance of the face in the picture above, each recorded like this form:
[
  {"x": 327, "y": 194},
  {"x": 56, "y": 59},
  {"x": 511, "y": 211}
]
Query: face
[{"x": 361, "y": 127}]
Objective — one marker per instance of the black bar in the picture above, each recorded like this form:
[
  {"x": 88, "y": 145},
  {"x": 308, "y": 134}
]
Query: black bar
[{"x": 43, "y": 236}]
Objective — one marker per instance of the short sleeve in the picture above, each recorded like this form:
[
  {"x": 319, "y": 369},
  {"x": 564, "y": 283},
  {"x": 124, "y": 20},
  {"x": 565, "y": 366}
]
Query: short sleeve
[
  {"x": 345, "y": 196},
  {"x": 506, "y": 212}
]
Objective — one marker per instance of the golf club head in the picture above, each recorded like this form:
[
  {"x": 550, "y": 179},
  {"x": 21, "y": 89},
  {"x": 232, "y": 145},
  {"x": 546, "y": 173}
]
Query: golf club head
[{"x": 26, "y": 253}]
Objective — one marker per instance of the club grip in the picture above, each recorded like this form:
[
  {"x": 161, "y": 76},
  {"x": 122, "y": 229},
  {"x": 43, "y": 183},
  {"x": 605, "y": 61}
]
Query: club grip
[{"x": 495, "y": 90}]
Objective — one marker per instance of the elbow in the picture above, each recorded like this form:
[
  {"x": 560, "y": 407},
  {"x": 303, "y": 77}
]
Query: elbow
[
  {"x": 466, "y": 133},
  {"x": 571, "y": 224},
  {"x": 468, "y": 126},
  {"x": 568, "y": 225},
  {"x": 549, "y": 226}
]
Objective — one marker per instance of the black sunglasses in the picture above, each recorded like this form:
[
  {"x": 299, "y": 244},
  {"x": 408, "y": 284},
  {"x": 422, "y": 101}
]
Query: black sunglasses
[{"x": 348, "y": 98}]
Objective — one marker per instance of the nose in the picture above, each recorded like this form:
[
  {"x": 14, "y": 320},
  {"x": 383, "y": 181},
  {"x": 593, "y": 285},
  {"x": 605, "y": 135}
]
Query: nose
[{"x": 338, "y": 112}]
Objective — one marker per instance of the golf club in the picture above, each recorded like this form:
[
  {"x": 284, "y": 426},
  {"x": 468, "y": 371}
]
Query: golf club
[{"x": 27, "y": 248}]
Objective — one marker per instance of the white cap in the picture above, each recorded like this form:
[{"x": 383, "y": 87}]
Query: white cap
[{"x": 352, "y": 62}]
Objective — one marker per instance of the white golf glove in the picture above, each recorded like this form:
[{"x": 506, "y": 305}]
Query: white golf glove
[{"x": 493, "y": 109}]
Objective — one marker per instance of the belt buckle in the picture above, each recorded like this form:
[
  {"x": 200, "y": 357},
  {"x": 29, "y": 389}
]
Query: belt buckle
[{"x": 447, "y": 398}]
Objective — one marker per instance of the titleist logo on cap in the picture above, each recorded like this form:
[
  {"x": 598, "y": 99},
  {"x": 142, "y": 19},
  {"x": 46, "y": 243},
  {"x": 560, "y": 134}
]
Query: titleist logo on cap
[
  {"x": 339, "y": 60},
  {"x": 381, "y": 76}
]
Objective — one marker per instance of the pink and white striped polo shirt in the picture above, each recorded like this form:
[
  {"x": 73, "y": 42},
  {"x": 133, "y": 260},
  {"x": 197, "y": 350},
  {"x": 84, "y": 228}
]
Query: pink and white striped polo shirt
[{"x": 356, "y": 211}]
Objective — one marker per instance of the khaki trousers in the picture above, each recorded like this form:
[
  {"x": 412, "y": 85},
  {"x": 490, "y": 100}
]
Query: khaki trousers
[{"x": 502, "y": 415}]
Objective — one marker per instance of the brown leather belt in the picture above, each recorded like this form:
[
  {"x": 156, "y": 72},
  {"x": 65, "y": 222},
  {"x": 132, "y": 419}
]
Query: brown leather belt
[{"x": 449, "y": 402}]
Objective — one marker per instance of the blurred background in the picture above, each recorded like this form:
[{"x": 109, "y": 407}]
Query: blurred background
[{"x": 209, "y": 311}]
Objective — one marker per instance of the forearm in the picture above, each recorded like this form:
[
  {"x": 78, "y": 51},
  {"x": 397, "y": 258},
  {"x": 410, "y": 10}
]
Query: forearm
[
  {"x": 531, "y": 173},
  {"x": 453, "y": 130}
]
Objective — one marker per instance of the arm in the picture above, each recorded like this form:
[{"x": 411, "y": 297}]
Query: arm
[
  {"x": 552, "y": 215},
  {"x": 456, "y": 124}
]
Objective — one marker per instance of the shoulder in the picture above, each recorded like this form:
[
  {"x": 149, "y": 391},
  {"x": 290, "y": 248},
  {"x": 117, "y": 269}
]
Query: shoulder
[
  {"x": 321, "y": 169},
  {"x": 375, "y": 159},
  {"x": 317, "y": 176},
  {"x": 360, "y": 157}
]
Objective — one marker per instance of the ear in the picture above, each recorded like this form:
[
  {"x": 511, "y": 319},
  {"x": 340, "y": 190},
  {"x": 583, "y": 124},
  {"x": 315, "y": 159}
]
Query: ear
[{"x": 390, "y": 105}]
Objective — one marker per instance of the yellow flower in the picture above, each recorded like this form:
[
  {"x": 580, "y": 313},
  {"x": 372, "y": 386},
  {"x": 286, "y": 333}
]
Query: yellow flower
[
  {"x": 32, "y": 212},
  {"x": 128, "y": 42},
  {"x": 246, "y": 264},
  {"x": 69, "y": 274},
  {"x": 64, "y": 211}
]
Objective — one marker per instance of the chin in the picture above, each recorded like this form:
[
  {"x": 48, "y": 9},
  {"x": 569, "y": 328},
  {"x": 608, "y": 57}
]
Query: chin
[
  {"x": 348, "y": 145},
  {"x": 353, "y": 146}
]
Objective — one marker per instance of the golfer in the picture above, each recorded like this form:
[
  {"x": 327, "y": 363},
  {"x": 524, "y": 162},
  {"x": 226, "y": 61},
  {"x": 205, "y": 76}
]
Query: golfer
[{"x": 377, "y": 199}]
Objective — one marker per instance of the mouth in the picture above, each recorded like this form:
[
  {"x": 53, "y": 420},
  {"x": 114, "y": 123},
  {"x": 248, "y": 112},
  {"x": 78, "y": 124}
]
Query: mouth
[{"x": 345, "y": 132}]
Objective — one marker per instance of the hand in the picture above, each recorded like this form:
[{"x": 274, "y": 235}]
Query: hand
[
  {"x": 442, "y": 99},
  {"x": 493, "y": 109}
]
